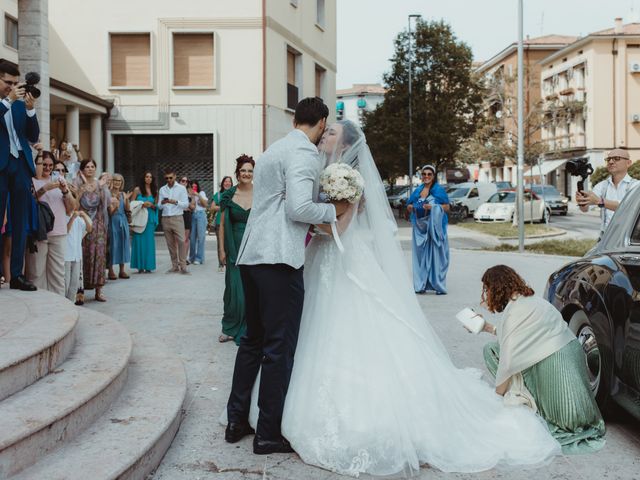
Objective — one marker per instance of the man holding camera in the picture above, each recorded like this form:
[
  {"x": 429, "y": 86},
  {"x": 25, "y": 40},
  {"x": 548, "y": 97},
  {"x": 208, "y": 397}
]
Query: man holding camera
[
  {"x": 18, "y": 127},
  {"x": 609, "y": 193}
]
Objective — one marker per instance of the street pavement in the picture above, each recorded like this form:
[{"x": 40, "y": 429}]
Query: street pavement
[{"x": 185, "y": 312}]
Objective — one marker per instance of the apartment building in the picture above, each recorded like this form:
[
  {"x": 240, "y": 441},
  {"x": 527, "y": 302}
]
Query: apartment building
[
  {"x": 500, "y": 74},
  {"x": 156, "y": 84},
  {"x": 193, "y": 84},
  {"x": 352, "y": 103},
  {"x": 591, "y": 90}
]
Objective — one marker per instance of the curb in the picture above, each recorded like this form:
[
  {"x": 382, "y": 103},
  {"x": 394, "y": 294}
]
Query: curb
[{"x": 558, "y": 233}]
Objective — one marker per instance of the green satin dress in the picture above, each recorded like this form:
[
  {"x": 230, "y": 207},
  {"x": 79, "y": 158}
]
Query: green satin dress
[
  {"x": 233, "y": 320},
  {"x": 560, "y": 386}
]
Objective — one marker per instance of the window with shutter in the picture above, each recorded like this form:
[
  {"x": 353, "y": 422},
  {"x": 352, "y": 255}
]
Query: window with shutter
[{"x": 131, "y": 60}]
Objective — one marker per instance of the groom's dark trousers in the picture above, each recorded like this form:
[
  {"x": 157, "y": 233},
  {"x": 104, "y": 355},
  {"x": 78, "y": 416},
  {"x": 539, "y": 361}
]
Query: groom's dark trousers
[{"x": 274, "y": 295}]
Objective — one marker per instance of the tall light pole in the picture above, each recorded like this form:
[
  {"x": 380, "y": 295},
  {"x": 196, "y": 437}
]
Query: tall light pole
[
  {"x": 409, "y": 53},
  {"x": 520, "y": 199}
]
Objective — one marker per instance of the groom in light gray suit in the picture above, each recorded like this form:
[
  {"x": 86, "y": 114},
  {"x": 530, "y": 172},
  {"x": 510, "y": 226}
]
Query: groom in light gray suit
[{"x": 271, "y": 257}]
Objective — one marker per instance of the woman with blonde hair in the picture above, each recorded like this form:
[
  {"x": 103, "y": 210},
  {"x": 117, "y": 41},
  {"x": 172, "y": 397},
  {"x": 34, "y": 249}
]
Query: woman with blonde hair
[{"x": 119, "y": 245}]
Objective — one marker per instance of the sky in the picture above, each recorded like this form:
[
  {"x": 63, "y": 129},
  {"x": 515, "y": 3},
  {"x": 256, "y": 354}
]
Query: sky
[{"x": 367, "y": 28}]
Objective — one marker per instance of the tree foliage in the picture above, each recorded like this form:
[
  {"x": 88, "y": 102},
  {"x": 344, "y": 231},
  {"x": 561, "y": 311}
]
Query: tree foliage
[
  {"x": 496, "y": 138},
  {"x": 601, "y": 173},
  {"x": 446, "y": 101}
]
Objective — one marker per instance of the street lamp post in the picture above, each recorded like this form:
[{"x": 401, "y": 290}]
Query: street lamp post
[
  {"x": 520, "y": 196},
  {"x": 416, "y": 16}
]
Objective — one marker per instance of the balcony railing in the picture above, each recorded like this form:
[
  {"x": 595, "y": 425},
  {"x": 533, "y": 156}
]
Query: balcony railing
[{"x": 292, "y": 96}]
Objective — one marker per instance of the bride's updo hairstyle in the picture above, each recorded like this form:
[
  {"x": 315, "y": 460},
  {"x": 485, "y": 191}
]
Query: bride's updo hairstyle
[
  {"x": 500, "y": 284},
  {"x": 240, "y": 161}
]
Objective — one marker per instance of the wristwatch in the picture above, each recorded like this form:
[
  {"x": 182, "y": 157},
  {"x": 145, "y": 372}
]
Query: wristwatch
[{"x": 601, "y": 202}]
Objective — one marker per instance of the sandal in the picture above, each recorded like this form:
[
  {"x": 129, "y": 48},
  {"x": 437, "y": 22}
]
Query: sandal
[
  {"x": 112, "y": 276},
  {"x": 79, "y": 298},
  {"x": 100, "y": 297},
  {"x": 123, "y": 275},
  {"x": 225, "y": 338}
]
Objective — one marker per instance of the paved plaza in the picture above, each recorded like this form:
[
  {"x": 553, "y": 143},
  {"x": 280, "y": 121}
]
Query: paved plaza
[{"x": 185, "y": 312}]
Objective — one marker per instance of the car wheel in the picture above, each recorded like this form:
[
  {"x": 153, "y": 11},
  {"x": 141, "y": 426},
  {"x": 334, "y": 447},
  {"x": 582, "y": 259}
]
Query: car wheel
[
  {"x": 597, "y": 372},
  {"x": 563, "y": 213},
  {"x": 465, "y": 212},
  {"x": 546, "y": 215}
]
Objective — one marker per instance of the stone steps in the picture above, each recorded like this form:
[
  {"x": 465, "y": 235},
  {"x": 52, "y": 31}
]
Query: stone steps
[
  {"x": 132, "y": 436},
  {"x": 57, "y": 407},
  {"x": 36, "y": 335},
  {"x": 80, "y": 399}
]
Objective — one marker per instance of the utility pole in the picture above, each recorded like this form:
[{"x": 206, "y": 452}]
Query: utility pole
[
  {"x": 520, "y": 195},
  {"x": 409, "y": 53}
]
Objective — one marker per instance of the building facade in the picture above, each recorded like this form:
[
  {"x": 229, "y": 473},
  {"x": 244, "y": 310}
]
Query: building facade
[
  {"x": 591, "y": 90},
  {"x": 193, "y": 84},
  {"x": 500, "y": 75},
  {"x": 352, "y": 103}
]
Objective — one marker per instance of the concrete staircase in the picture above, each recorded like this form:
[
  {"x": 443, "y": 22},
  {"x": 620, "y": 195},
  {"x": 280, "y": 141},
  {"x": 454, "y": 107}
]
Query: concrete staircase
[{"x": 80, "y": 397}]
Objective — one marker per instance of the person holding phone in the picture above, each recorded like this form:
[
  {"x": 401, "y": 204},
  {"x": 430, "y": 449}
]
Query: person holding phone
[
  {"x": 19, "y": 128},
  {"x": 45, "y": 266},
  {"x": 198, "y": 225}
]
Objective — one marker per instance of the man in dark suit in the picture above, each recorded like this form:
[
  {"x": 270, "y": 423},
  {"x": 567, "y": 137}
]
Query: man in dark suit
[{"x": 18, "y": 127}]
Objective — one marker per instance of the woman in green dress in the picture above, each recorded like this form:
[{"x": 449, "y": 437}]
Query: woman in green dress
[
  {"x": 538, "y": 362},
  {"x": 235, "y": 206}
]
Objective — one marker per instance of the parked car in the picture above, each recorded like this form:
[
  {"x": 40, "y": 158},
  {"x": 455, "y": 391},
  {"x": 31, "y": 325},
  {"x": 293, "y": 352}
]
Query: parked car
[
  {"x": 501, "y": 207},
  {"x": 470, "y": 195},
  {"x": 599, "y": 297},
  {"x": 556, "y": 202},
  {"x": 397, "y": 195},
  {"x": 503, "y": 185}
]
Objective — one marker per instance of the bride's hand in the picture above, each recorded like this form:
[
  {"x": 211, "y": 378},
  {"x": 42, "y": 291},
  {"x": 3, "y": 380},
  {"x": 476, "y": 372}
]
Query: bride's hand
[{"x": 341, "y": 207}]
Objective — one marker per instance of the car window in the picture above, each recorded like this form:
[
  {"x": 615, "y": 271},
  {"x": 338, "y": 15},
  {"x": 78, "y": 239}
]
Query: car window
[
  {"x": 474, "y": 193},
  {"x": 503, "y": 197},
  {"x": 635, "y": 235},
  {"x": 458, "y": 193}
]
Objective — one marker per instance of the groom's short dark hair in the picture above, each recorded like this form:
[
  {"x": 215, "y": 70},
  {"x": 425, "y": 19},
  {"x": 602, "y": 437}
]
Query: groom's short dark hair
[{"x": 310, "y": 111}]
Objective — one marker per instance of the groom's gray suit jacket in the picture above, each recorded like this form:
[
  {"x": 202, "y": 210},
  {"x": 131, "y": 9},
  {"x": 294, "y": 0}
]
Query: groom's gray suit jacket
[{"x": 285, "y": 183}]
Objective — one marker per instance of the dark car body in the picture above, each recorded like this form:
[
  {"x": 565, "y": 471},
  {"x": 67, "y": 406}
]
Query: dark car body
[
  {"x": 599, "y": 297},
  {"x": 556, "y": 202}
]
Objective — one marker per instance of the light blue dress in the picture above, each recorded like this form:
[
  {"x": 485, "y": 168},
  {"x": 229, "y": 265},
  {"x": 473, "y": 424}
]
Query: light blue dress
[
  {"x": 430, "y": 241},
  {"x": 120, "y": 249},
  {"x": 143, "y": 245}
]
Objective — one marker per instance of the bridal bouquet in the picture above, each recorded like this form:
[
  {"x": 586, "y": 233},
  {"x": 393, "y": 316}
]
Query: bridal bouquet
[{"x": 341, "y": 182}]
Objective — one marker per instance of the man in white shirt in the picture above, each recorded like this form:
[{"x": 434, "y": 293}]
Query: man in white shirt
[
  {"x": 173, "y": 200},
  {"x": 18, "y": 128},
  {"x": 609, "y": 193}
]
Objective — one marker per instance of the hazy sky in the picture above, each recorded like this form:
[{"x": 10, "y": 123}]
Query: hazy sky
[{"x": 367, "y": 28}]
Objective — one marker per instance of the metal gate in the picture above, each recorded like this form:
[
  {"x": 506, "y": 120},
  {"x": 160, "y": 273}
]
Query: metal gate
[{"x": 190, "y": 155}]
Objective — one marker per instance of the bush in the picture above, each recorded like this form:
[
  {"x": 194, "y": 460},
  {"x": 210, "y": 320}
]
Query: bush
[{"x": 601, "y": 173}]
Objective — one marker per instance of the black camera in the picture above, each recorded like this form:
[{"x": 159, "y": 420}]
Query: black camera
[
  {"x": 579, "y": 167},
  {"x": 31, "y": 79}
]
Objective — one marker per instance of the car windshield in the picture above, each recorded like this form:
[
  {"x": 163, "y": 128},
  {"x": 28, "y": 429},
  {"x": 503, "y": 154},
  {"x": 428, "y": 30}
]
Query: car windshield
[
  {"x": 458, "y": 193},
  {"x": 397, "y": 190},
  {"x": 548, "y": 190},
  {"x": 503, "y": 197}
]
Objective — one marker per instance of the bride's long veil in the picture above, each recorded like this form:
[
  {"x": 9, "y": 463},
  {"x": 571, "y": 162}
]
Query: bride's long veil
[{"x": 376, "y": 224}]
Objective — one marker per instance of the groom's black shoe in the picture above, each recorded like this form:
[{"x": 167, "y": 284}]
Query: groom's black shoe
[
  {"x": 264, "y": 447},
  {"x": 237, "y": 431},
  {"x": 21, "y": 283}
]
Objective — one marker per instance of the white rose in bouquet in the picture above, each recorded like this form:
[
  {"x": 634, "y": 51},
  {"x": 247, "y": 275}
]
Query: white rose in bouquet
[{"x": 341, "y": 182}]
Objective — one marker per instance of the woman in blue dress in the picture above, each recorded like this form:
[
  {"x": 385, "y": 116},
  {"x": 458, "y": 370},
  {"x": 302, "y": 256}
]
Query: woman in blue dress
[
  {"x": 143, "y": 245},
  {"x": 119, "y": 243},
  {"x": 428, "y": 207}
]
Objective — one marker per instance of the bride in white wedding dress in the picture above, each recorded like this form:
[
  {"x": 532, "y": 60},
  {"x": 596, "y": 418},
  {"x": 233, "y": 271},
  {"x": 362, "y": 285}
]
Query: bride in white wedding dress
[{"x": 373, "y": 389}]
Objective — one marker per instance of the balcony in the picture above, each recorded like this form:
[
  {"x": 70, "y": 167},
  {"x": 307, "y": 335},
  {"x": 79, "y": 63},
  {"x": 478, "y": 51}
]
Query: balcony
[{"x": 292, "y": 96}]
